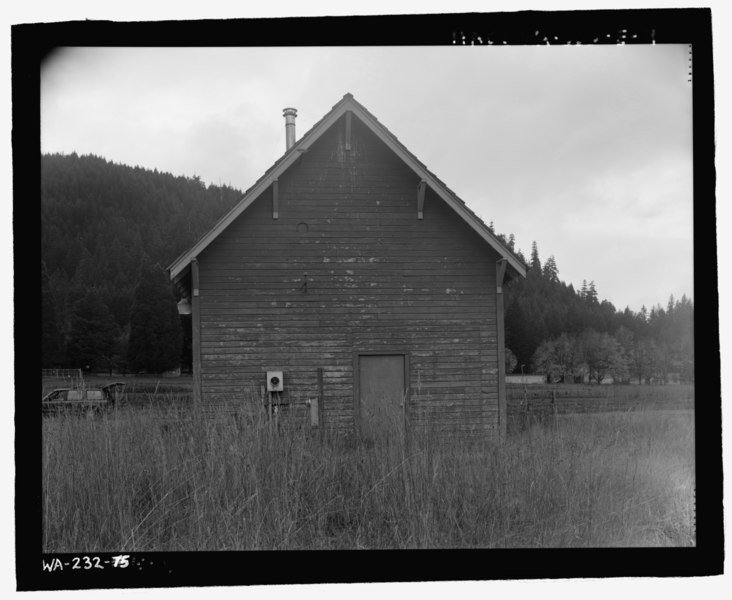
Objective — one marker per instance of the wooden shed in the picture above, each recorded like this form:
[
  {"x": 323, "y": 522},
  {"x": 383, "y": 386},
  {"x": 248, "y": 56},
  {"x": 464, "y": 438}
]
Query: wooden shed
[{"x": 355, "y": 278}]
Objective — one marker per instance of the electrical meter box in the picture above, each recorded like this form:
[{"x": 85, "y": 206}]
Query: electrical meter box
[{"x": 275, "y": 381}]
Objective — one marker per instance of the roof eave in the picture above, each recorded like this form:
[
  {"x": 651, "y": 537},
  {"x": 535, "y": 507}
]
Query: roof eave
[
  {"x": 285, "y": 162},
  {"x": 177, "y": 268},
  {"x": 441, "y": 190}
]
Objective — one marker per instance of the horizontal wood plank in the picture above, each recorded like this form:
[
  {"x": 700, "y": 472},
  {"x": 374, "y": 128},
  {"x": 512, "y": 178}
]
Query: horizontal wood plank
[{"x": 377, "y": 279}]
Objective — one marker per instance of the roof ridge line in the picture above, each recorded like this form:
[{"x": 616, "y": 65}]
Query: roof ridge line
[{"x": 177, "y": 267}]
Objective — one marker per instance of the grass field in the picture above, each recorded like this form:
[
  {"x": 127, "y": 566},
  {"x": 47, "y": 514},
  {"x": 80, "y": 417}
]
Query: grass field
[{"x": 143, "y": 480}]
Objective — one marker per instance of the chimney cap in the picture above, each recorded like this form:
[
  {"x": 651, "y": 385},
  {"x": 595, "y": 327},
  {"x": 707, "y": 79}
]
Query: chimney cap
[{"x": 289, "y": 112}]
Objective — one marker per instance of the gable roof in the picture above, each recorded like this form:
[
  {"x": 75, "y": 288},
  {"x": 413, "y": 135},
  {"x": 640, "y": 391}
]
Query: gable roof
[{"x": 178, "y": 268}]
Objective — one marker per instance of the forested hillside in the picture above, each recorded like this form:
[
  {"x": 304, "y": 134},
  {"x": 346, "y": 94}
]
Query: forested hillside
[
  {"x": 109, "y": 231},
  {"x": 569, "y": 335},
  {"x": 101, "y": 224}
]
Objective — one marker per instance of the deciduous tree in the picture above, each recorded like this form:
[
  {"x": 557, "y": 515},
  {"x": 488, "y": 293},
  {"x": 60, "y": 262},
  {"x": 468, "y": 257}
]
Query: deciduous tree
[
  {"x": 603, "y": 356},
  {"x": 561, "y": 359},
  {"x": 511, "y": 360}
]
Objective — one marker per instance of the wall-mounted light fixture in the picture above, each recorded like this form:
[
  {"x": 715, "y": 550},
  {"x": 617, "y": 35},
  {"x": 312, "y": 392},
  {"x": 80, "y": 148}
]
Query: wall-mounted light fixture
[{"x": 184, "y": 307}]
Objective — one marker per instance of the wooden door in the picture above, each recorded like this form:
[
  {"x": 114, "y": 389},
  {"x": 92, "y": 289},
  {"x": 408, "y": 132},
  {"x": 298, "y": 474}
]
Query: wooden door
[{"x": 381, "y": 390}]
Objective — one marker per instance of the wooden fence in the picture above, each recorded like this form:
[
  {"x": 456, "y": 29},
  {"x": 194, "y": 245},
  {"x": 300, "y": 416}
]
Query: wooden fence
[
  {"x": 63, "y": 373},
  {"x": 525, "y": 403},
  {"x": 61, "y": 378},
  {"x": 529, "y": 403}
]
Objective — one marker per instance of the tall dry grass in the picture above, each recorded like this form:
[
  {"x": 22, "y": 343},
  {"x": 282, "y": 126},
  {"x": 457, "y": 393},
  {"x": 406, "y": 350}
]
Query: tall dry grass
[{"x": 144, "y": 480}]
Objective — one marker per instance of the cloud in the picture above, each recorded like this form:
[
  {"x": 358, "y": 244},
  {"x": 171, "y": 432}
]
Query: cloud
[{"x": 586, "y": 150}]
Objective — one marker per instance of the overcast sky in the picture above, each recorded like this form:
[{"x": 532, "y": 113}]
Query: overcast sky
[{"x": 586, "y": 150}]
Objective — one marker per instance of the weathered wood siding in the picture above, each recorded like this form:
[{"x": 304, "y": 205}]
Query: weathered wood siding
[{"x": 378, "y": 279}]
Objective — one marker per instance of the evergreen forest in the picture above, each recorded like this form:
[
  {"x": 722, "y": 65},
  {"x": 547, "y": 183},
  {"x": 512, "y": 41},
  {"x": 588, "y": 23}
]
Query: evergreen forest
[
  {"x": 572, "y": 336},
  {"x": 108, "y": 231}
]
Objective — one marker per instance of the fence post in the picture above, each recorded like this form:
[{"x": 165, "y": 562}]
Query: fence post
[{"x": 321, "y": 408}]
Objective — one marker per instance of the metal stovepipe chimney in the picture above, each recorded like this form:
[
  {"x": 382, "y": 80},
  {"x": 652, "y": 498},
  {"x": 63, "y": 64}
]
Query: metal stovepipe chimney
[{"x": 290, "y": 114}]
